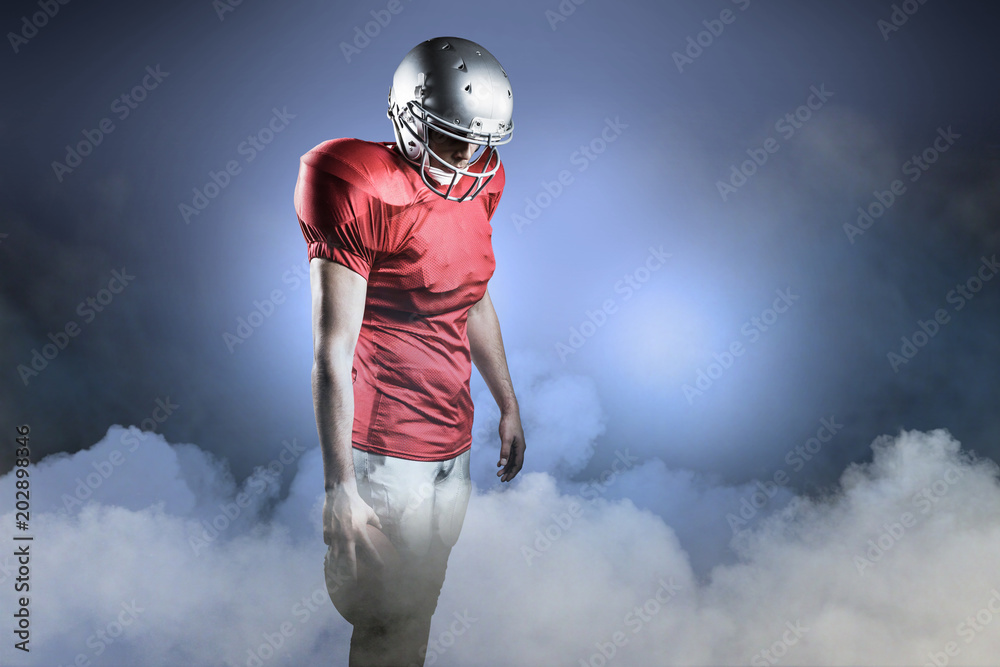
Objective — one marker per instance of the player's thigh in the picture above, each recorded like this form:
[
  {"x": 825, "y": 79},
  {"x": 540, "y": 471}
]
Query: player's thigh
[
  {"x": 451, "y": 499},
  {"x": 402, "y": 494}
]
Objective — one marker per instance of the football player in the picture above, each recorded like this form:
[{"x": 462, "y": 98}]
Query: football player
[{"x": 399, "y": 242}]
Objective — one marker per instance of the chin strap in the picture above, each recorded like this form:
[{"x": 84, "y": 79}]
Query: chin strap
[{"x": 440, "y": 175}]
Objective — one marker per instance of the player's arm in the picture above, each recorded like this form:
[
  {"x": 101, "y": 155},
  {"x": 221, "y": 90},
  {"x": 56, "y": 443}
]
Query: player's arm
[
  {"x": 338, "y": 304},
  {"x": 486, "y": 346}
]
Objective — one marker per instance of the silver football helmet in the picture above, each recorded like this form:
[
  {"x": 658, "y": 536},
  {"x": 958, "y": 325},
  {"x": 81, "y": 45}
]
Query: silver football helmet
[{"x": 457, "y": 88}]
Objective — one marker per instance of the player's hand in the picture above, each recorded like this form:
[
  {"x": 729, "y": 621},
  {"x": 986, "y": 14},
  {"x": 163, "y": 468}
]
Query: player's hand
[
  {"x": 511, "y": 445},
  {"x": 345, "y": 517}
]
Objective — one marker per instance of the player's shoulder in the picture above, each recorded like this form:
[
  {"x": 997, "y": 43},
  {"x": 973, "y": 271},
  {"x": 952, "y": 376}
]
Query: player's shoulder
[
  {"x": 358, "y": 160},
  {"x": 363, "y": 156}
]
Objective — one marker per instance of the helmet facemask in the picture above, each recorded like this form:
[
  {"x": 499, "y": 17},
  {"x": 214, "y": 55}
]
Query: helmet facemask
[
  {"x": 470, "y": 96},
  {"x": 412, "y": 127}
]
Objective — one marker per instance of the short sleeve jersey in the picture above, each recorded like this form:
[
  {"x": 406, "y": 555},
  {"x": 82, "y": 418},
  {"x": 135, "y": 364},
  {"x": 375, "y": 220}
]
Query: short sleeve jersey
[{"x": 427, "y": 260}]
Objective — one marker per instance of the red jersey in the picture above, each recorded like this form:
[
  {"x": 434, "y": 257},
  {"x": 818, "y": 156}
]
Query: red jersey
[{"x": 427, "y": 260}]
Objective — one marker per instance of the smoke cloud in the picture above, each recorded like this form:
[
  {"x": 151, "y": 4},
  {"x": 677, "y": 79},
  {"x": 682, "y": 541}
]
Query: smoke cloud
[{"x": 148, "y": 552}]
